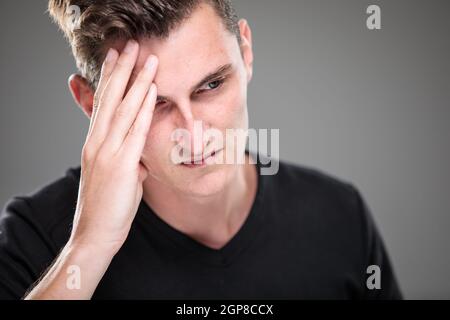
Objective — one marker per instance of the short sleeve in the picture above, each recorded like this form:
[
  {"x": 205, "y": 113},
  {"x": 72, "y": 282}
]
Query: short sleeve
[{"x": 25, "y": 249}]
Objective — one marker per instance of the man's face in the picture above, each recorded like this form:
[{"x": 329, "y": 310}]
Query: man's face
[{"x": 200, "y": 47}]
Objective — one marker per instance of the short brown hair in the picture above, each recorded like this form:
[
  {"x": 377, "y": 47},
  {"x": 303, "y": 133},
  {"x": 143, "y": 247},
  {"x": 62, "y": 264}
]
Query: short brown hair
[{"x": 101, "y": 21}]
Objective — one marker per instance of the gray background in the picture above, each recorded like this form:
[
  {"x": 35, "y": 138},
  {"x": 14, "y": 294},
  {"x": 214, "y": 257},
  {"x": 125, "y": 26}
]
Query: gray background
[{"x": 371, "y": 107}]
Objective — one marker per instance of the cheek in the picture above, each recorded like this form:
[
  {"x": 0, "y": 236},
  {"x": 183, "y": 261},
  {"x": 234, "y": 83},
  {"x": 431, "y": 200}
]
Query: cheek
[
  {"x": 156, "y": 142},
  {"x": 230, "y": 109}
]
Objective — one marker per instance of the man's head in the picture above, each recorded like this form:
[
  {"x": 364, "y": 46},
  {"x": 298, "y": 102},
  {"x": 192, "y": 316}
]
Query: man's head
[{"x": 193, "y": 39}]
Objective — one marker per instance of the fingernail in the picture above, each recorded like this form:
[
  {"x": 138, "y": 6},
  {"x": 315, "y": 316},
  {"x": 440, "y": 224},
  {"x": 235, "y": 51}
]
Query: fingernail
[
  {"x": 109, "y": 55},
  {"x": 152, "y": 88},
  {"x": 150, "y": 63},
  {"x": 130, "y": 46}
]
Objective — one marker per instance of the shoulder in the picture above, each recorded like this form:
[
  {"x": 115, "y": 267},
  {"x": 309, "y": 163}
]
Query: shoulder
[
  {"x": 308, "y": 196},
  {"x": 304, "y": 182},
  {"x": 321, "y": 209},
  {"x": 45, "y": 208}
]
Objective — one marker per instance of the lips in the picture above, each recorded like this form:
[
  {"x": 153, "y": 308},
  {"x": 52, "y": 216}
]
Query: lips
[
  {"x": 195, "y": 162},
  {"x": 200, "y": 161}
]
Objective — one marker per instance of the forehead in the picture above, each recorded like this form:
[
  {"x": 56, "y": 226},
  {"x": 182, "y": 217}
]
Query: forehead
[{"x": 199, "y": 45}]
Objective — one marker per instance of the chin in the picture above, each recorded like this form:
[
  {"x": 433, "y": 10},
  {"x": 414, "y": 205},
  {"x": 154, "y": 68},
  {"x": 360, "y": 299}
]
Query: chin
[{"x": 208, "y": 183}]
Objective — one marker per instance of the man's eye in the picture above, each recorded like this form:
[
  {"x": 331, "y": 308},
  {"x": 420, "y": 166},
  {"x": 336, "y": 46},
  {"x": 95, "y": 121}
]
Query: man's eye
[
  {"x": 161, "y": 103},
  {"x": 211, "y": 85},
  {"x": 162, "y": 106},
  {"x": 215, "y": 84}
]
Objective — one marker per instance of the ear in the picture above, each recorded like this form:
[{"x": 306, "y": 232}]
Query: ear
[
  {"x": 82, "y": 93},
  {"x": 246, "y": 47}
]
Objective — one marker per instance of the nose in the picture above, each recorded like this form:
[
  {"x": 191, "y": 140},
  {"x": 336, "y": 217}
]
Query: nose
[{"x": 195, "y": 142}]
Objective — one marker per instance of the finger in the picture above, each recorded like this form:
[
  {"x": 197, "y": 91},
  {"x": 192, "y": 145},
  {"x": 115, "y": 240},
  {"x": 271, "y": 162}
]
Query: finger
[
  {"x": 142, "y": 173},
  {"x": 128, "y": 110},
  {"x": 107, "y": 69},
  {"x": 114, "y": 90},
  {"x": 137, "y": 136}
]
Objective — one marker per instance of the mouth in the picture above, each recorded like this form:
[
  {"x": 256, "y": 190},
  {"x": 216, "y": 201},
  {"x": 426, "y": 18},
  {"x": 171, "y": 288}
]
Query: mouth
[{"x": 197, "y": 163}]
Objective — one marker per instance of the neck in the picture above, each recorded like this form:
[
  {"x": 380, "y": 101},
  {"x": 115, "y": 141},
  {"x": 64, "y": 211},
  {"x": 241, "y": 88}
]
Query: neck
[{"x": 211, "y": 220}]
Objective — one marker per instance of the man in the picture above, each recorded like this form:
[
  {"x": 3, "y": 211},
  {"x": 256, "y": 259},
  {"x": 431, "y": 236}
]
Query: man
[{"x": 135, "y": 221}]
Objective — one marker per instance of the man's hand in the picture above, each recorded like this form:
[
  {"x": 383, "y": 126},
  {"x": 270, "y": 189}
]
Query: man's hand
[
  {"x": 111, "y": 172},
  {"x": 111, "y": 175}
]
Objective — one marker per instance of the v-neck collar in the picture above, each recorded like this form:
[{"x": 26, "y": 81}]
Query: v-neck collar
[{"x": 219, "y": 257}]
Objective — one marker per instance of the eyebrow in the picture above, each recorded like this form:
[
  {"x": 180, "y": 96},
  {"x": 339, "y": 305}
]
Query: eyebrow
[{"x": 219, "y": 72}]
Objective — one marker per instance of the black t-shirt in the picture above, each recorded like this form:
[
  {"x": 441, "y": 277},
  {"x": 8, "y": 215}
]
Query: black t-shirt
[{"x": 308, "y": 236}]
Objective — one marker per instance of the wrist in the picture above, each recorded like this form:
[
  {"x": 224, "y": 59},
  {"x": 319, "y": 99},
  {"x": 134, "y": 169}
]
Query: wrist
[
  {"x": 85, "y": 263},
  {"x": 95, "y": 249}
]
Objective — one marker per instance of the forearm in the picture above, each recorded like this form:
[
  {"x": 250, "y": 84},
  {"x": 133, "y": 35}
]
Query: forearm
[{"x": 74, "y": 275}]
